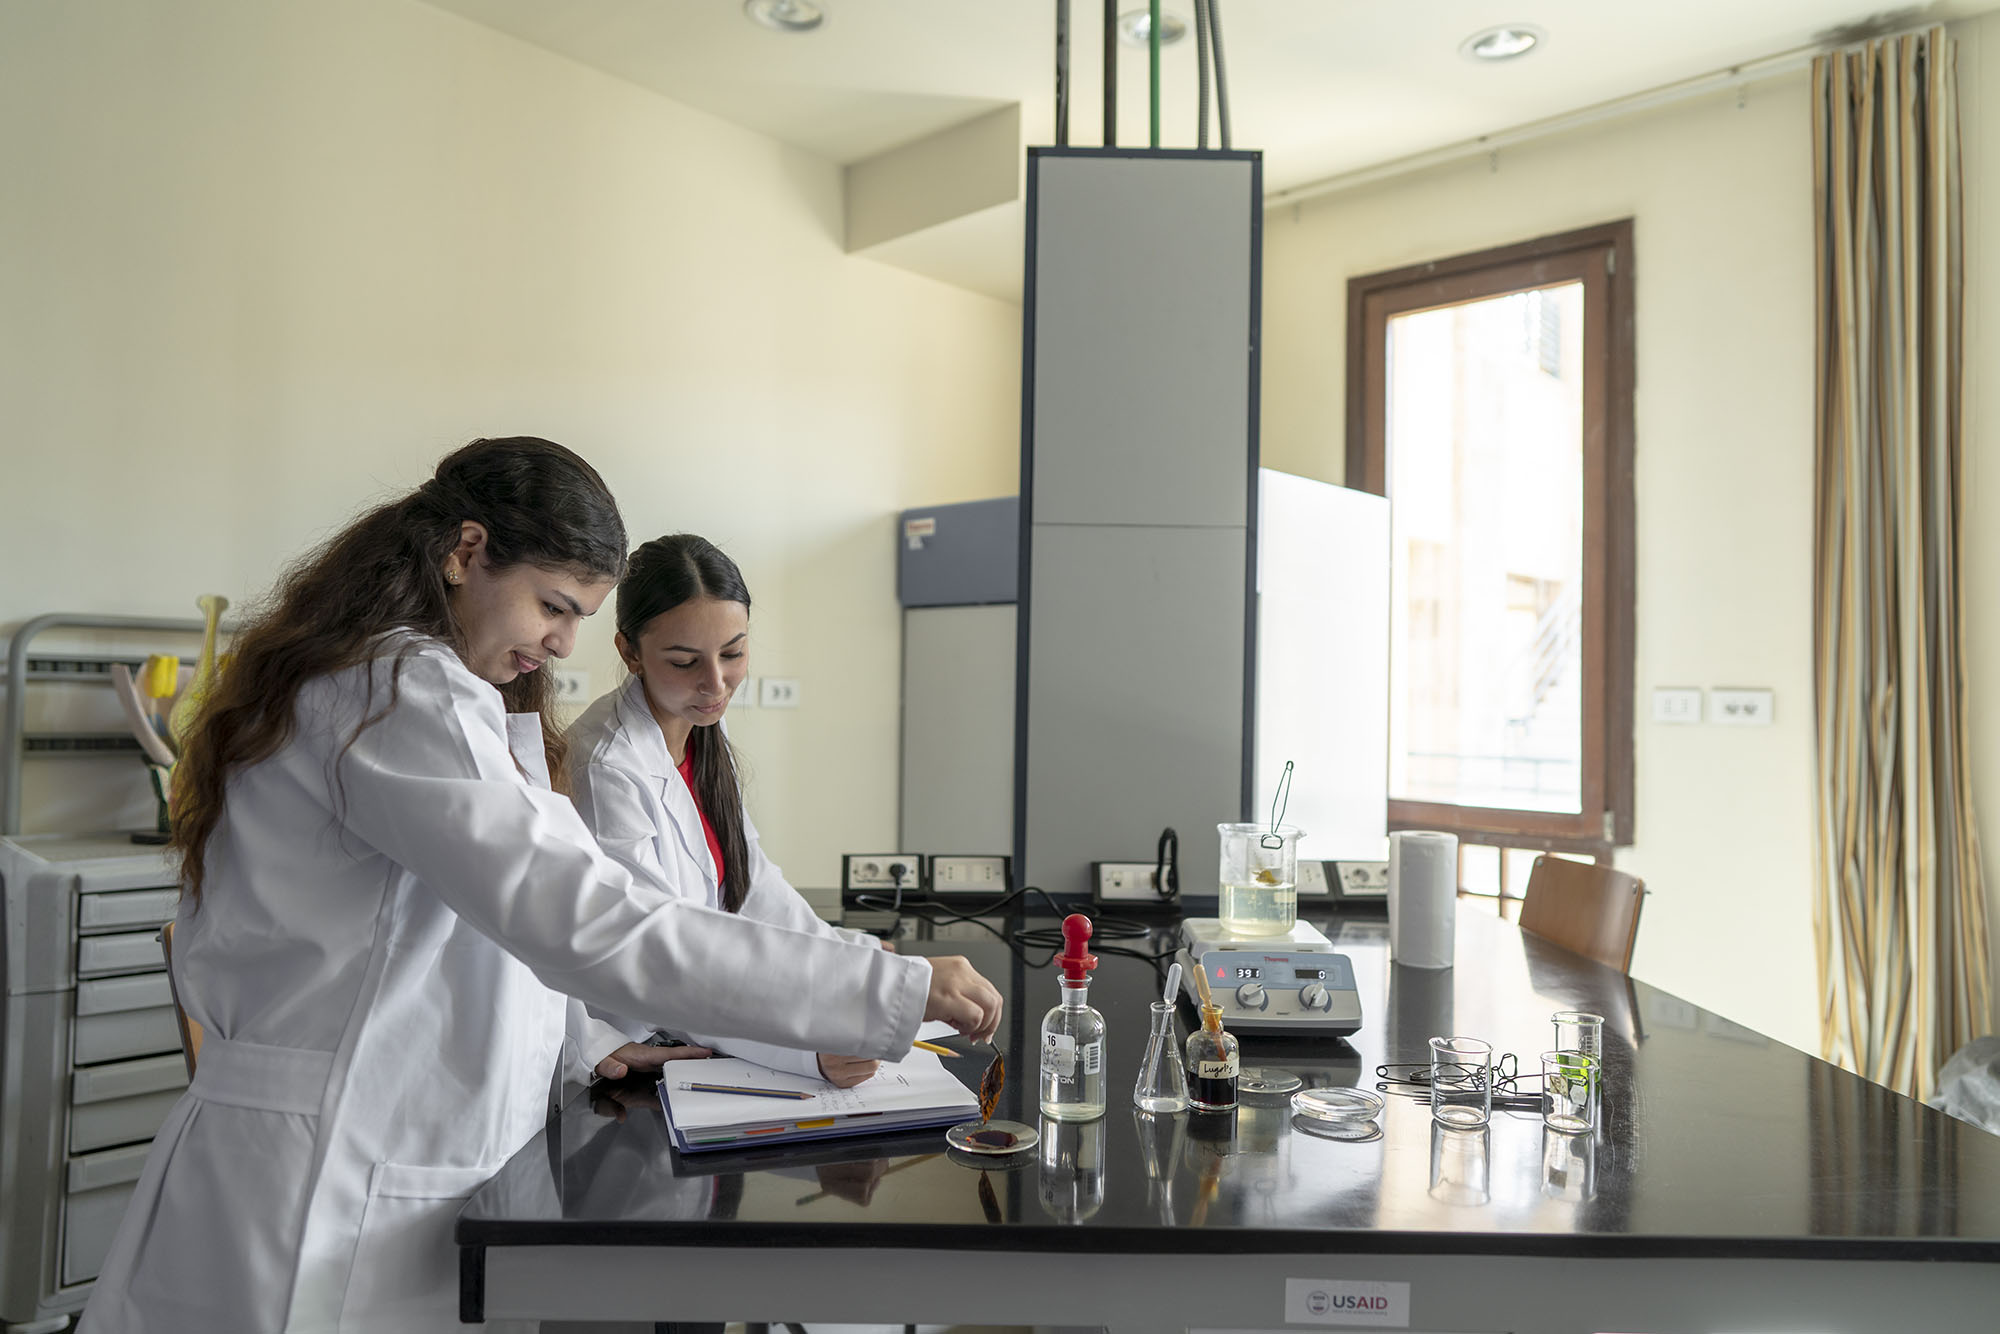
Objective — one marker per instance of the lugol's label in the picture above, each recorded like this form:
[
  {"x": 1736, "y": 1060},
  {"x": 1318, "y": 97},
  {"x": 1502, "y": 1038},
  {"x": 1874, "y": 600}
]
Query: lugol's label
[{"x": 1215, "y": 1069}]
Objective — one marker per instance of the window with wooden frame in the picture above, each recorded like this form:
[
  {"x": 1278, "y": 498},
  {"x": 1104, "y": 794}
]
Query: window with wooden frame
[{"x": 1489, "y": 397}]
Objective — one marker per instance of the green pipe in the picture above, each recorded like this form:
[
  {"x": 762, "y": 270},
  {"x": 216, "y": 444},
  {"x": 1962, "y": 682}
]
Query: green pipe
[{"x": 1153, "y": 51}]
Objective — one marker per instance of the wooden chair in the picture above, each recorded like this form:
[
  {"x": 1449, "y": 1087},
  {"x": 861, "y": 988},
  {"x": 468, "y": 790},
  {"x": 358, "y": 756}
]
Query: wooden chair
[
  {"x": 190, "y": 1031},
  {"x": 1593, "y": 910}
]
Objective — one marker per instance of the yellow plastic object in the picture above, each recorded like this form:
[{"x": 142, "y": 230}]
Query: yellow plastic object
[
  {"x": 160, "y": 677},
  {"x": 189, "y": 704}
]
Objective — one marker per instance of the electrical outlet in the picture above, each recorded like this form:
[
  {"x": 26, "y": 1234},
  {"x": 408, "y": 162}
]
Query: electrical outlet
[
  {"x": 1676, "y": 704},
  {"x": 572, "y": 686},
  {"x": 778, "y": 692},
  {"x": 1124, "y": 882},
  {"x": 1740, "y": 708},
  {"x": 746, "y": 694},
  {"x": 969, "y": 875},
  {"x": 882, "y": 870},
  {"x": 1362, "y": 880},
  {"x": 1312, "y": 878}
]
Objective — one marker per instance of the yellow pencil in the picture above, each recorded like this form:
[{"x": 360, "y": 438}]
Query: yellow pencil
[{"x": 932, "y": 1046}]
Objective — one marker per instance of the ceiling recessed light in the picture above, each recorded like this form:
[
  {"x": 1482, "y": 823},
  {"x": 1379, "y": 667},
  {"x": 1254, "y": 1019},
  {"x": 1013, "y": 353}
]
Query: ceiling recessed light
[
  {"x": 785, "y": 15},
  {"x": 1506, "y": 42},
  {"x": 1135, "y": 28}
]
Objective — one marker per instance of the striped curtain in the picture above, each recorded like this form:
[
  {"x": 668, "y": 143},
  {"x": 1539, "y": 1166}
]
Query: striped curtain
[{"x": 1899, "y": 915}]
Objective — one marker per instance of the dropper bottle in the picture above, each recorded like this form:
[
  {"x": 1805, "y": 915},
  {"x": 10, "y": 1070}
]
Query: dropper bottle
[
  {"x": 1212, "y": 1064},
  {"x": 1073, "y": 1035}
]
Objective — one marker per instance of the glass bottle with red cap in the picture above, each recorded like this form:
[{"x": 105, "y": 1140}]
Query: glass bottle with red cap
[{"x": 1073, "y": 1035}]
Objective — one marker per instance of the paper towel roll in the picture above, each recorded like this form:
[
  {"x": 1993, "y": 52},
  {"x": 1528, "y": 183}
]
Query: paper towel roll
[{"x": 1423, "y": 898}]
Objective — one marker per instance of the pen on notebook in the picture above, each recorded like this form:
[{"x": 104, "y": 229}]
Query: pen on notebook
[
  {"x": 932, "y": 1046},
  {"x": 746, "y": 1092}
]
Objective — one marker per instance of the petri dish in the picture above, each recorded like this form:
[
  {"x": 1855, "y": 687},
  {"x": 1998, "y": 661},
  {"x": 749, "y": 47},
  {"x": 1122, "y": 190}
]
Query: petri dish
[
  {"x": 1266, "y": 1079},
  {"x": 992, "y": 1138},
  {"x": 1346, "y": 1132},
  {"x": 1337, "y": 1106}
]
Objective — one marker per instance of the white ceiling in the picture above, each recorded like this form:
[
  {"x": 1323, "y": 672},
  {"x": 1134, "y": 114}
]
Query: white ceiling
[{"x": 1322, "y": 86}]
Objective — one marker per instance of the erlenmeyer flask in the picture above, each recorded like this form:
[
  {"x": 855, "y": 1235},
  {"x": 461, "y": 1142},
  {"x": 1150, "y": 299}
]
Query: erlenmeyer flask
[{"x": 1162, "y": 1085}]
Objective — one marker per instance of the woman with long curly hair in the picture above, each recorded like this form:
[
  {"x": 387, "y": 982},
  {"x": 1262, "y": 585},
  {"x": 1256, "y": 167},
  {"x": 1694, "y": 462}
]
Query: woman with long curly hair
[{"x": 386, "y": 905}]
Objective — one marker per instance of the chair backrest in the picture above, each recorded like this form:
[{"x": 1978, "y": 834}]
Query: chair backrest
[
  {"x": 190, "y": 1031},
  {"x": 1593, "y": 910}
]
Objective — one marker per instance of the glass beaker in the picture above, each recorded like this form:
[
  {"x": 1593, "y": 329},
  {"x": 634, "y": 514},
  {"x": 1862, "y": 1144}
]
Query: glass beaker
[
  {"x": 1260, "y": 879},
  {"x": 1162, "y": 1085}
]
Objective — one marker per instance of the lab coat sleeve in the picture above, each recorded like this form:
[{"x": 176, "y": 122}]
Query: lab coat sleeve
[
  {"x": 589, "y": 1037},
  {"x": 616, "y": 809},
  {"x": 624, "y": 815},
  {"x": 431, "y": 787}
]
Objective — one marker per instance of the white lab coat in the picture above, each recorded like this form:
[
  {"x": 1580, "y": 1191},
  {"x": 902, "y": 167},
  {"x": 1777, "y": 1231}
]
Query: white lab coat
[
  {"x": 381, "y": 961},
  {"x": 632, "y": 796}
]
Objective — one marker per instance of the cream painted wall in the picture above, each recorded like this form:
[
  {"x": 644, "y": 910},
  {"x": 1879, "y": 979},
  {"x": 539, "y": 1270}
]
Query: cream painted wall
[
  {"x": 1721, "y": 197},
  {"x": 263, "y": 264},
  {"x": 1721, "y": 200}
]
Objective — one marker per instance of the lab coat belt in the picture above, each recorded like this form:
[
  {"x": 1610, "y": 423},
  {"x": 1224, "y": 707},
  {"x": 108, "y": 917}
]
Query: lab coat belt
[{"x": 271, "y": 1079}]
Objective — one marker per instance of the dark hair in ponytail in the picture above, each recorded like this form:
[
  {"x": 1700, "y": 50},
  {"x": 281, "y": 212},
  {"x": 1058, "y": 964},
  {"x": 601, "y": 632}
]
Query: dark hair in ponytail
[
  {"x": 540, "y": 504},
  {"x": 663, "y": 574}
]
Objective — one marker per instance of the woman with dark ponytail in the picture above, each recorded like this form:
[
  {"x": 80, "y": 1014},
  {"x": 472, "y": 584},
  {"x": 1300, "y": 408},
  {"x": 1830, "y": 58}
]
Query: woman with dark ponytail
[
  {"x": 386, "y": 907},
  {"x": 656, "y": 777}
]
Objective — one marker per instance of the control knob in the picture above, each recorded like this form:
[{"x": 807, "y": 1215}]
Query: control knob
[
  {"x": 1313, "y": 996},
  {"x": 1252, "y": 996}
]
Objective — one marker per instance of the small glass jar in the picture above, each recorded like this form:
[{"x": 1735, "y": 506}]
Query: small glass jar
[{"x": 1212, "y": 1064}]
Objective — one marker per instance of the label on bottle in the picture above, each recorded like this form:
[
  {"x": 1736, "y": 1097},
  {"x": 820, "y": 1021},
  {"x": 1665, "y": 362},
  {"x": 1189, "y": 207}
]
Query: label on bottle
[
  {"x": 1224, "y": 1069},
  {"x": 1093, "y": 1058},
  {"x": 1059, "y": 1055}
]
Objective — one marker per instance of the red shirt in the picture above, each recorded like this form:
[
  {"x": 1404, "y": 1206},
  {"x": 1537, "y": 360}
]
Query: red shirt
[{"x": 707, "y": 830}]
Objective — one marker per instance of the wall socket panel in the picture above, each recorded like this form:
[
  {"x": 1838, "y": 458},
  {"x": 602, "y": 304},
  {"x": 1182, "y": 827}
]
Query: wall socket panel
[
  {"x": 1312, "y": 879},
  {"x": 876, "y": 870},
  {"x": 1124, "y": 882},
  {"x": 572, "y": 686},
  {"x": 1741, "y": 708},
  {"x": 979, "y": 876},
  {"x": 1362, "y": 880},
  {"x": 1679, "y": 705},
  {"x": 778, "y": 692}
]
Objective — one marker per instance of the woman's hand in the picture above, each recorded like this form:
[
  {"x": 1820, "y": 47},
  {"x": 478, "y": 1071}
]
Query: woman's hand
[
  {"x": 640, "y": 1058},
  {"x": 844, "y": 1072},
  {"x": 962, "y": 998}
]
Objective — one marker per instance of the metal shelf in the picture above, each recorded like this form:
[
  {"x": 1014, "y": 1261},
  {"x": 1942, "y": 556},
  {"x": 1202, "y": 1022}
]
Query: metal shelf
[{"x": 15, "y": 741}]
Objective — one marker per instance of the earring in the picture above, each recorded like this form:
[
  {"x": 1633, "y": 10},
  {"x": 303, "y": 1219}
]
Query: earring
[{"x": 451, "y": 576}]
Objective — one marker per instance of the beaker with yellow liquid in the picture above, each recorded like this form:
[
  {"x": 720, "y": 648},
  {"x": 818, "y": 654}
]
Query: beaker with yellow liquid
[{"x": 1260, "y": 879}]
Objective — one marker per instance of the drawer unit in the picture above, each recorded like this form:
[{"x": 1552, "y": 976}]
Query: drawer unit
[
  {"x": 123, "y": 911},
  {"x": 105, "y": 1125},
  {"x": 112, "y": 994},
  {"x": 124, "y": 1034},
  {"x": 90, "y": 1061},
  {"x": 120, "y": 1017},
  {"x": 123, "y": 1103},
  {"x": 90, "y": 1221},
  {"x": 125, "y": 952}
]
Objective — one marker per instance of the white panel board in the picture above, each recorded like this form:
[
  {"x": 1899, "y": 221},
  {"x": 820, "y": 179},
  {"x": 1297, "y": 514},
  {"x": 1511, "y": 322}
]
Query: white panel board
[{"x": 1323, "y": 663}]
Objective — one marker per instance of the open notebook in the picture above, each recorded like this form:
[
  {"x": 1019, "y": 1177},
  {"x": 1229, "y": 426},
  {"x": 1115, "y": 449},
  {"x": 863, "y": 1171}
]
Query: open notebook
[{"x": 916, "y": 1091}]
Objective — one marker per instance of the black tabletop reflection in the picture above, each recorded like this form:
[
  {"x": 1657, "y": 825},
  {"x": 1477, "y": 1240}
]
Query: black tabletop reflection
[{"x": 1715, "y": 1140}]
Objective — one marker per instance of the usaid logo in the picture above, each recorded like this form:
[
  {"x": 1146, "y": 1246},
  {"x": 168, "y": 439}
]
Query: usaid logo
[{"x": 1331, "y": 1302}]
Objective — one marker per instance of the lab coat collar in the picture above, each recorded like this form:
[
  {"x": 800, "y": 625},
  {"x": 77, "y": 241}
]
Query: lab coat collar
[
  {"x": 524, "y": 740},
  {"x": 637, "y": 724}
]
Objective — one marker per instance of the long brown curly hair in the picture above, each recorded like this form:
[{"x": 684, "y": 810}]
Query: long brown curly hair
[{"x": 540, "y": 505}]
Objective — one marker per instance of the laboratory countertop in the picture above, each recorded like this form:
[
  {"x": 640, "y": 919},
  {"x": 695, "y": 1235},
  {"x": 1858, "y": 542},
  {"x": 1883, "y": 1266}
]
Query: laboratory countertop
[{"x": 1716, "y": 1141}]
